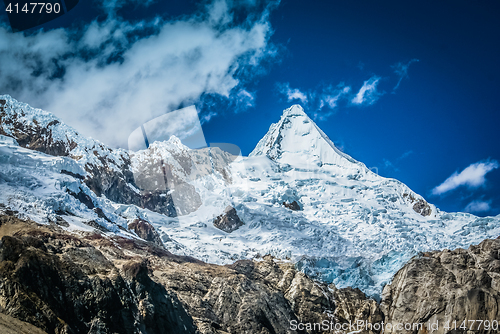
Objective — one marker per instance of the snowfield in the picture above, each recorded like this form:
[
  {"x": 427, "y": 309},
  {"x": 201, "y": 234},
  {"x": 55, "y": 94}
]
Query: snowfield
[{"x": 354, "y": 228}]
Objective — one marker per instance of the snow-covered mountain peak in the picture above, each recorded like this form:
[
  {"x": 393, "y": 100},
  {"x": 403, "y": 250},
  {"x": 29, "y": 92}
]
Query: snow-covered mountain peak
[
  {"x": 295, "y": 110},
  {"x": 42, "y": 131},
  {"x": 173, "y": 144},
  {"x": 297, "y": 141}
]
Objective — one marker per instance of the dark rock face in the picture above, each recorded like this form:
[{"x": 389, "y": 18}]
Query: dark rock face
[
  {"x": 62, "y": 284},
  {"x": 146, "y": 231},
  {"x": 256, "y": 297},
  {"x": 108, "y": 181},
  {"x": 422, "y": 207},
  {"x": 76, "y": 176},
  {"x": 353, "y": 305},
  {"x": 56, "y": 295},
  {"x": 447, "y": 286},
  {"x": 316, "y": 302},
  {"x": 83, "y": 198},
  {"x": 292, "y": 206},
  {"x": 114, "y": 184},
  {"x": 419, "y": 206},
  {"x": 10, "y": 325},
  {"x": 34, "y": 136},
  {"x": 158, "y": 201},
  {"x": 160, "y": 311},
  {"x": 229, "y": 221}
]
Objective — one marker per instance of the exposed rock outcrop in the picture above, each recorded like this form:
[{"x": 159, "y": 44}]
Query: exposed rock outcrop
[
  {"x": 352, "y": 305},
  {"x": 146, "y": 231},
  {"x": 420, "y": 206},
  {"x": 292, "y": 206},
  {"x": 228, "y": 221},
  {"x": 10, "y": 325},
  {"x": 33, "y": 135},
  {"x": 447, "y": 286}
]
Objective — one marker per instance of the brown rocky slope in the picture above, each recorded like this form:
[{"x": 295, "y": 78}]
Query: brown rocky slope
[{"x": 96, "y": 283}]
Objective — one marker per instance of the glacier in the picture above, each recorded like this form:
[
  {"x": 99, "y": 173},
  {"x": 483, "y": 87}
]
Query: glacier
[{"x": 353, "y": 227}]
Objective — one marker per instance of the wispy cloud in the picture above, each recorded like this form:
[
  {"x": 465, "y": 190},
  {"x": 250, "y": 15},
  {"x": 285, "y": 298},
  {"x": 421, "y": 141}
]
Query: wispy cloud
[
  {"x": 405, "y": 155},
  {"x": 368, "y": 93},
  {"x": 389, "y": 165},
  {"x": 321, "y": 102},
  {"x": 478, "y": 206},
  {"x": 330, "y": 97},
  {"x": 292, "y": 94},
  {"x": 401, "y": 70},
  {"x": 111, "y": 76},
  {"x": 473, "y": 177}
]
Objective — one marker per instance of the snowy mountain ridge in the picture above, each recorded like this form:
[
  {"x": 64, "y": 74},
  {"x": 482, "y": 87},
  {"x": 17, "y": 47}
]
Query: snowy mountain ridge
[
  {"x": 56, "y": 137},
  {"x": 348, "y": 225}
]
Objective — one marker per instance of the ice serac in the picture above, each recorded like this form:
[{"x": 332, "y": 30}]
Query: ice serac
[{"x": 296, "y": 140}]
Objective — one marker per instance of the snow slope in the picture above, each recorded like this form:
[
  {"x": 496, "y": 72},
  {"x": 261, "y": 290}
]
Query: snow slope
[
  {"x": 354, "y": 228},
  {"x": 32, "y": 184}
]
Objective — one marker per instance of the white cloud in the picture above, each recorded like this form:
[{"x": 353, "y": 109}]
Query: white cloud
[
  {"x": 473, "y": 176},
  {"x": 321, "y": 102},
  {"x": 478, "y": 206},
  {"x": 368, "y": 93},
  {"x": 401, "y": 69},
  {"x": 331, "y": 100},
  {"x": 292, "y": 93},
  {"x": 113, "y": 76},
  {"x": 245, "y": 98}
]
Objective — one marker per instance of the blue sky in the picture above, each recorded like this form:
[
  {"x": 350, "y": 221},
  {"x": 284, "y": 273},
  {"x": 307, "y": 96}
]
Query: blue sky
[{"x": 408, "y": 88}]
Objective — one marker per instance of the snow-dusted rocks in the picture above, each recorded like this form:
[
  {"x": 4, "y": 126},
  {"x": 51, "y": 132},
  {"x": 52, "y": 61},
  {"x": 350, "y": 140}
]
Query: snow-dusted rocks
[
  {"x": 229, "y": 221},
  {"x": 107, "y": 172}
]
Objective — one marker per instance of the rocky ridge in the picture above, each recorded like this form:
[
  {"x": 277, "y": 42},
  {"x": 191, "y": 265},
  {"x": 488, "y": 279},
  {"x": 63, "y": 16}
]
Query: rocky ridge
[
  {"x": 228, "y": 221},
  {"x": 108, "y": 172}
]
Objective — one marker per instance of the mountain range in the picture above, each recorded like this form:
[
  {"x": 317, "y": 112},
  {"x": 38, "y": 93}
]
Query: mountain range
[{"x": 296, "y": 197}]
